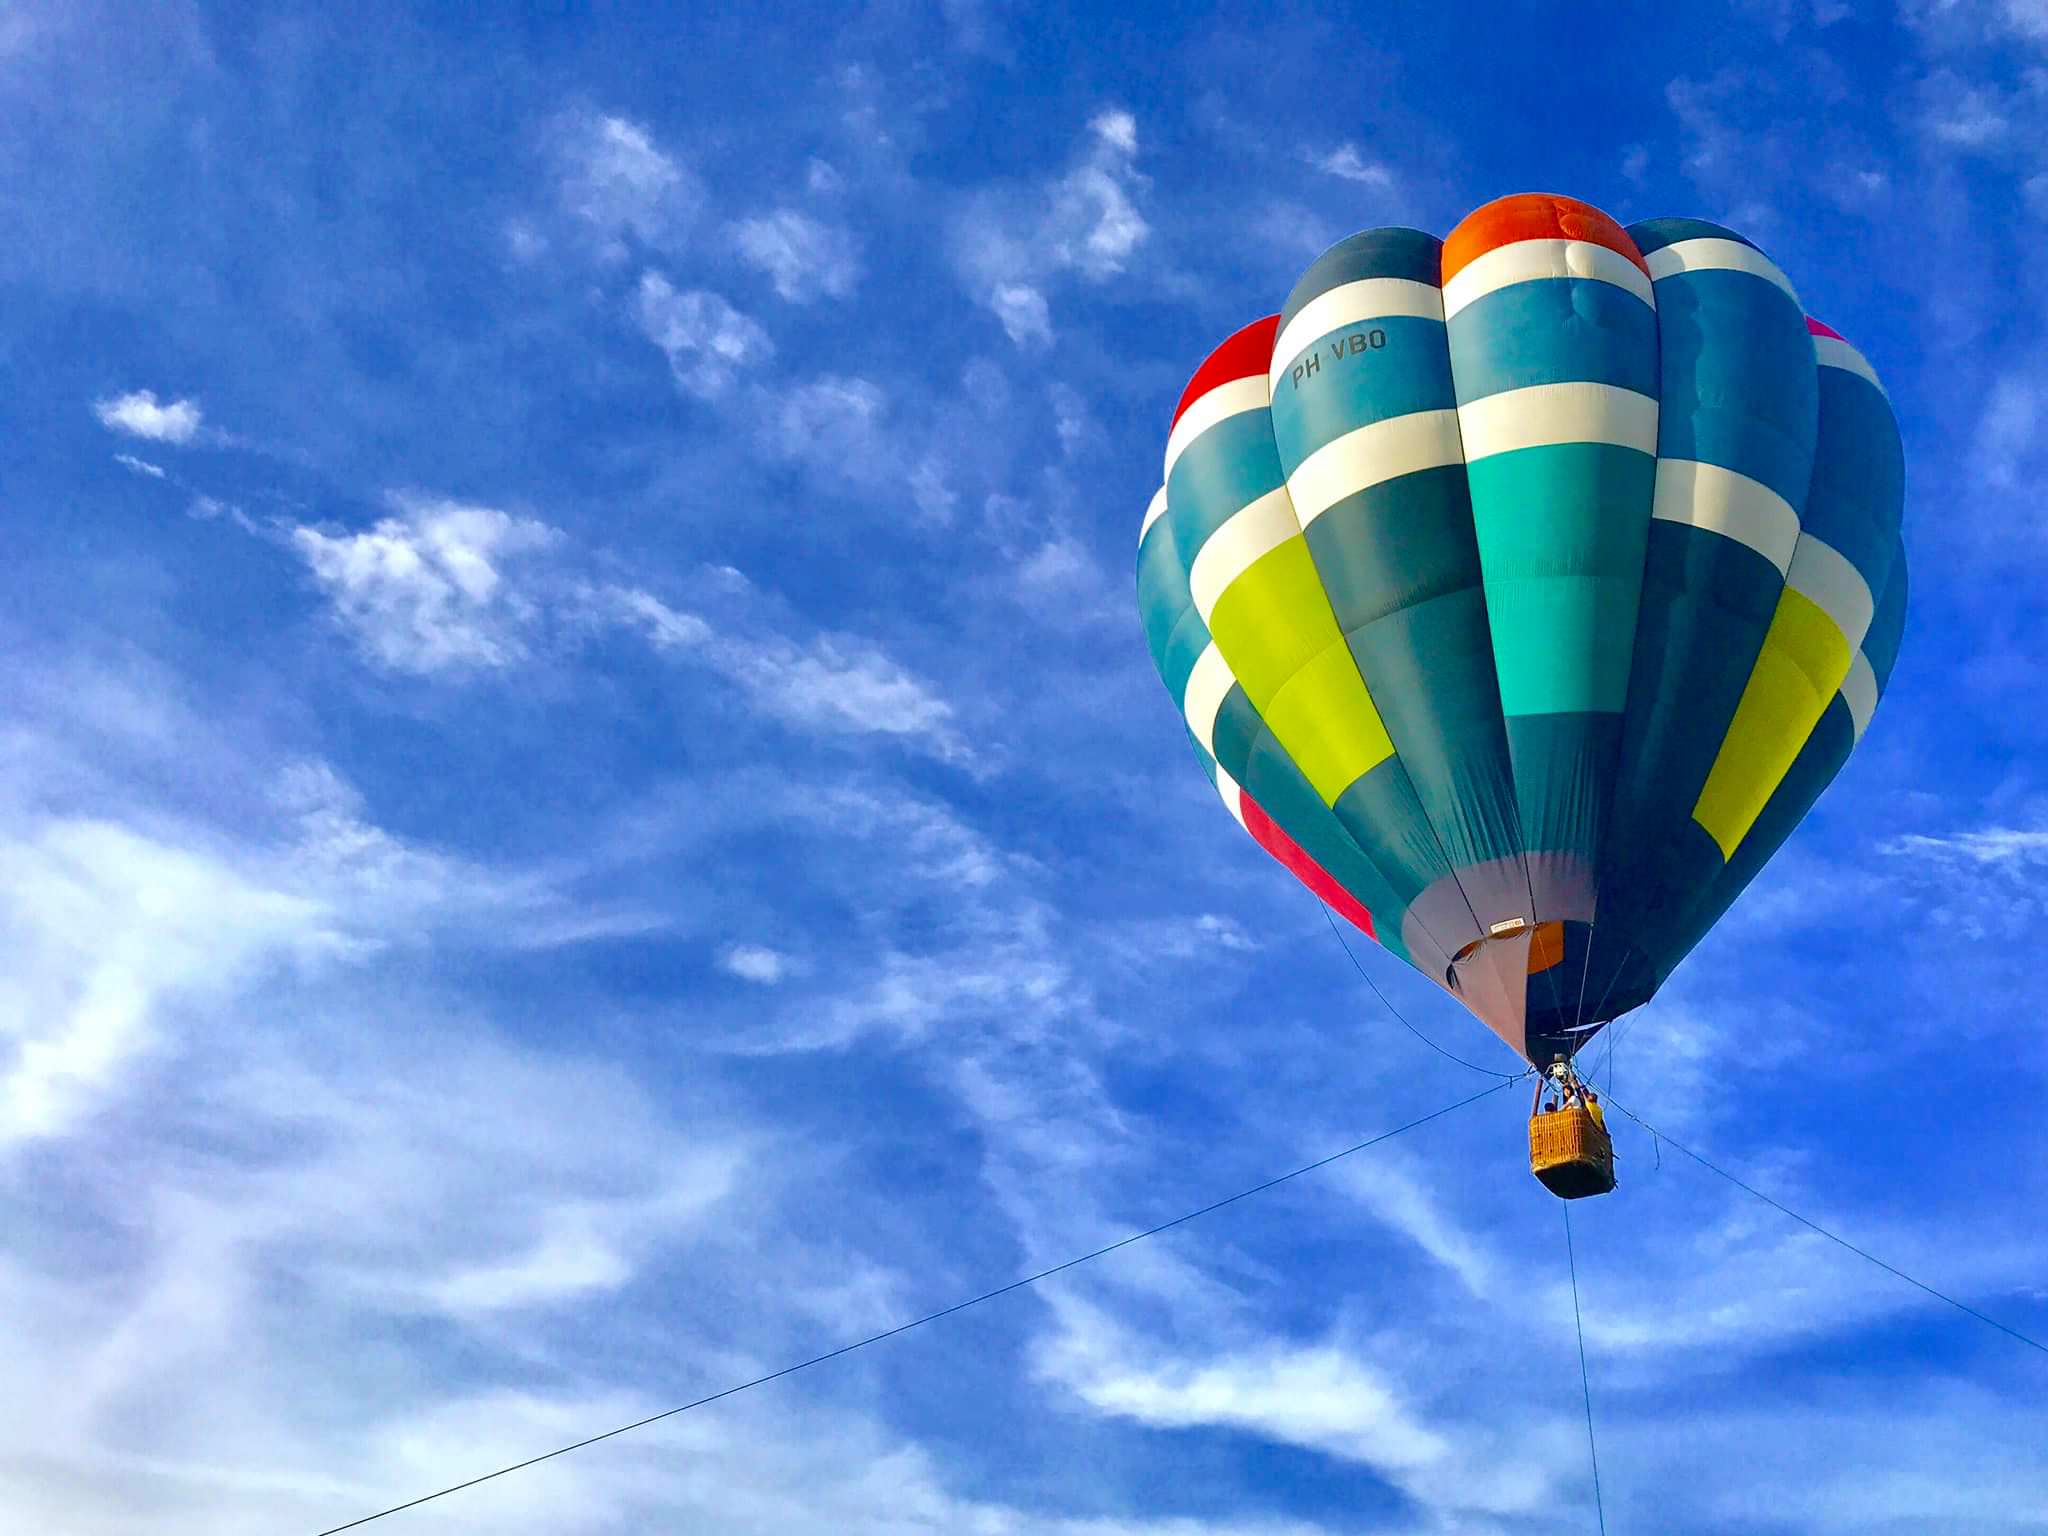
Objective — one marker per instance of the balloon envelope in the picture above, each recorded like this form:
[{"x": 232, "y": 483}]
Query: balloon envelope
[{"x": 1522, "y": 590}]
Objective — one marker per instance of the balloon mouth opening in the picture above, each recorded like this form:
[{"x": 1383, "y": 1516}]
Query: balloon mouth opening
[{"x": 1545, "y": 940}]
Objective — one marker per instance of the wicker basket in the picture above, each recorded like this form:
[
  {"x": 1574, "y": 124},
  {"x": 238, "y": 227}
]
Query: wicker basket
[{"x": 1570, "y": 1153}]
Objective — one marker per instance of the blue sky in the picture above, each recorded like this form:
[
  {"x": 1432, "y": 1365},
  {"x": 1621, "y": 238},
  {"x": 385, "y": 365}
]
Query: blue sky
[{"x": 585, "y": 812}]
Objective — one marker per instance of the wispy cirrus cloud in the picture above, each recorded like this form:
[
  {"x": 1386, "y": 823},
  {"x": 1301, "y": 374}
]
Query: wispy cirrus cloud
[
  {"x": 1322, "y": 1396},
  {"x": 1979, "y": 885},
  {"x": 445, "y": 589},
  {"x": 109, "y": 929},
  {"x": 835, "y": 684},
  {"x": 1988, "y": 848},
  {"x": 129, "y": 924}
]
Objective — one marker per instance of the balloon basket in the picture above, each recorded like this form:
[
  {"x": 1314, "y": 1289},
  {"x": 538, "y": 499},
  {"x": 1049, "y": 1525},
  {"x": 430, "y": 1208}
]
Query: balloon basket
[{"x": 1570, "y": 1154}]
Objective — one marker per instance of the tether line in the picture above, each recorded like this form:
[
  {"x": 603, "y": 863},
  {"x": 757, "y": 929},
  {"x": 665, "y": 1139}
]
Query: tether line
[
  {"x": 1585, "y": 1380},
  {"x": 1861, "y": 1253},
  {"x": 929, "y": 1317}
]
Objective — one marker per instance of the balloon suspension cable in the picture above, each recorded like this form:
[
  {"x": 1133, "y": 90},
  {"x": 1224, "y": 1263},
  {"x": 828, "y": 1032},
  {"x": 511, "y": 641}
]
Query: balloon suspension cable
[
  {"x": 1620, "y": 967},
  {"x": 1606, "y": 1060},
  {"x": 1837, "y": 1239},
  {"x": 1613, "y": 1032},
  {"x": 1400, "y": 1017},
  {"x": 1585, "y": 1380},
  {"x": 1585, "y": 970},
  {"x": 929, "y": 1317}
]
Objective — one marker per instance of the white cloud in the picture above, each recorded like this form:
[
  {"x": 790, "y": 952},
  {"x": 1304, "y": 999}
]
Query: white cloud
[
  {"x": 1011, "y": 245},
  {"x": 927, "y": 837},
  {"x": 1858, "y": 186},
  {"x": 2035, "y": 189},
  {"x": 105, "y": 928},
  {"x": 2008, "y": 430},
  {"x": 1175, "y": 941},
  {"x": 1071, "y": 419},
  {"x": 1408, "y": 1204},
  {"x": 130, "y": 932},
  {"x": 1732, "y": 147},
  {"x": 1096, "y": 226},
  {"x": 835, "y": 425},
  {"x": 1224, "y": 933},
  {"x": 957, "y": 944},
  {"x": 977, "y": 30},
  {"x": 907, "y": 996},
  {"x": 2029, "y": 18},
  {"x": 1635, "y": 163},
  {"x": 618, "y": 182},
  {"x": 1320, "y": 1398},
  {"x": 136, "y": 466},
  {"x": 1990, "y": 847},
  {"x": 1981, "y": 885},
  {"x": 1117, "y": 129},
  {"x": 1962, "y": 115},
  {"x": 1783, "y": 17},
  {"x": 393, "y": 890},
  {"x": 839, "y": 685},
  {"x": 1297, "y": 230},
  {"x": 524, "y": 243},
  {"x": 850, "y": 435},
  {"x": 140, "y": 415},
  {"x": 805, "y": 259},
  {"x": 756, "y": 963},
  {"x": 205, "y": 509},
  {"x": 846, "y": 685},
  {"x": 666, "y": 628},
  {"x": 707, "y": 341},
  {"x": 1970, "y": 23},
  {"x": 293, "y": 1199},
  {"x": 1026, "y": 317},
  {"x": 1057, "y": 577},
  {"x": 1348, "y": 164},
  {"x": 929, "y": 490},
  {"x": 1058, "y": 565},
  {"x": 425, "y": 591},
  {"x": 561, "y": 1266},
  {"x": 447, "y": 588}
]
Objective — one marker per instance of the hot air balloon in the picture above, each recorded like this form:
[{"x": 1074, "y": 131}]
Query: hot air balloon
[{"x": 1521, "y": 591}]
